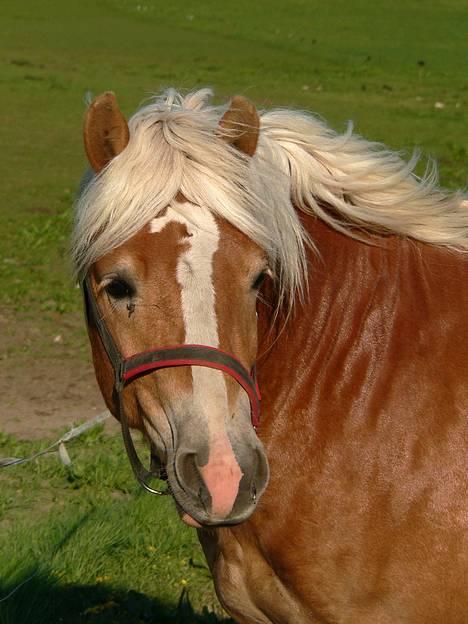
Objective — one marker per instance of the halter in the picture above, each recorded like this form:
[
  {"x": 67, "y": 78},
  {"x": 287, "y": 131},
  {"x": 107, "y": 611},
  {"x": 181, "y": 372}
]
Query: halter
[{"x": 126, "y": 369}]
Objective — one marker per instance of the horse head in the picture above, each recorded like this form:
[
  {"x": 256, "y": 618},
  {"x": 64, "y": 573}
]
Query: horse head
[{"x": 186, "y": 277}]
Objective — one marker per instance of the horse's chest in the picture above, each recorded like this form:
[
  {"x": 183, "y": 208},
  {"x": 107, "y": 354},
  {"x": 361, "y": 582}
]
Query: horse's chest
[{"x": 246, "y": 585}]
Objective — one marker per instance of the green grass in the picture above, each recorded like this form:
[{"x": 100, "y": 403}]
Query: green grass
[
  {"x": 384, "y": 67},
  {"x": 97, "y": 547}
]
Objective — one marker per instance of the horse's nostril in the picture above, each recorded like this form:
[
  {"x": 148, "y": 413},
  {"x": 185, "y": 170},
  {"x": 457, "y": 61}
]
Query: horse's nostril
[
  {"x": 190, "y": 479},
  {"x": 188, "y": 473},
  {"x": 253, "y": 493}
]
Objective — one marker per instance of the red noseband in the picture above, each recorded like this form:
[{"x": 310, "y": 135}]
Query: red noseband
[{"x": 195, "y": 355}]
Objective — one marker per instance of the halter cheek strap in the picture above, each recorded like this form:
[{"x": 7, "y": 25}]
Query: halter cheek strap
[{"x": 127, "y": 369}]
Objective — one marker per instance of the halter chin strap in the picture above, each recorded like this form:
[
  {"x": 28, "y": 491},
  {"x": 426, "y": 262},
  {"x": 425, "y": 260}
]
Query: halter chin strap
[{"x": 126, "y": 369}]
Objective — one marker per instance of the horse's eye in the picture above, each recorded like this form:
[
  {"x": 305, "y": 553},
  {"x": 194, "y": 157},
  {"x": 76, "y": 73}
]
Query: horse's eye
[
  {"x": 119, "y": 289},
  {"x": 259, "y": 280}
]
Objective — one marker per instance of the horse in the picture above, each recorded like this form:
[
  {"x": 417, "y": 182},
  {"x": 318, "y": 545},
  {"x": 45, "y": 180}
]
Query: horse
[{"x": 225, "y": 252}]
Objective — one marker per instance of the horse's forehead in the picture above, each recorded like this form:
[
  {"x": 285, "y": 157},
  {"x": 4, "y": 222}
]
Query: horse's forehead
[
  {"x": 209, "y": 235},
  {"x": 199, "y": 222},
  {"x": 167, "y": 238},
  {"x": 203, "y": 229}
]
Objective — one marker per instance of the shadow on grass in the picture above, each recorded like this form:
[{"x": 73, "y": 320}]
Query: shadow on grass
[
  {"x": 35, "y": 596},
  {"x": 41, "y": 600}
]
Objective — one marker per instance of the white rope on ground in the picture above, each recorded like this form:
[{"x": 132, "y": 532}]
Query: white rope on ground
[
  {"x": 19, "y": 586},
  {"x": 74, "y": 432}
]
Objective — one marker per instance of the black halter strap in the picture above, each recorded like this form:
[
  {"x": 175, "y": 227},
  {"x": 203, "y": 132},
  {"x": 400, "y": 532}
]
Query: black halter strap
[{"x": 126, "y": 369}]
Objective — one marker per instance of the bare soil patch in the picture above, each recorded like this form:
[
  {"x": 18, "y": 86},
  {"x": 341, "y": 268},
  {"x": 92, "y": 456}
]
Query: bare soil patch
[{"x": 47, "y": 381}]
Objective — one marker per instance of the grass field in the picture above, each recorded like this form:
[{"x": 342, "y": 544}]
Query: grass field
[
  {"x": 385, "y": 69},
  {"x": 102, "y": 551},
  {"x": 94, "y": 546}
]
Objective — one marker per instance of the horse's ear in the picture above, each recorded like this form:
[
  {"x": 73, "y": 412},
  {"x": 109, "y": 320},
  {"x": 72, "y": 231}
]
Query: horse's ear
[
  {"x": 240, "y": 125},
  {"x": 105, "y": 131}
]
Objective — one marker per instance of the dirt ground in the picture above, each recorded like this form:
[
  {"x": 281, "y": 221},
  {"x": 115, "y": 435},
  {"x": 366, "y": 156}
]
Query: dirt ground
[{"x": 47, "y": 381}]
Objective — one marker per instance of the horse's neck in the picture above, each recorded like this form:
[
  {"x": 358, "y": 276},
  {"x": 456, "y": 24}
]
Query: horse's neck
[
  {"x": 344, "y": 283},
  {"x": 363, "y": 423},
  {"x": 372, "y": 311}
]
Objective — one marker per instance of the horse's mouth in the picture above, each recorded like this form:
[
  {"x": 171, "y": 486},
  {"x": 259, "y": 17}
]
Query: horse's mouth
[
  {"x": 187, "y": 518},
  {"x": 207, "y": 520},
  {"x": 192, "y": 522}
]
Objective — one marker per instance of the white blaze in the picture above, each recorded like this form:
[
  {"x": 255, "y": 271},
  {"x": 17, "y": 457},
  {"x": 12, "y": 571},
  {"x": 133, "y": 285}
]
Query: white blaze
[
  {"x": 195, "y": 277},
  {"x": 222, "y": 473}
]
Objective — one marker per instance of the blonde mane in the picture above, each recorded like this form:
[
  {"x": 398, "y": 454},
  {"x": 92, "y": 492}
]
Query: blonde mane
[{"x": 300, "y": 163}]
